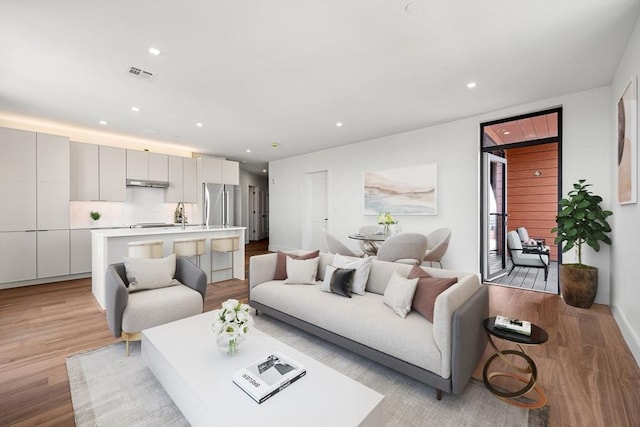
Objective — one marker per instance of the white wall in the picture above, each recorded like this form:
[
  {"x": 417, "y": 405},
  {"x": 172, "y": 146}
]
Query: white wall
[
  {"x": 455, "y": 148},
  {"x": 625, "y": 222}
]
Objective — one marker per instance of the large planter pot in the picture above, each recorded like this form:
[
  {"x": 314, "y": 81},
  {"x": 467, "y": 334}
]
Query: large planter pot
[{"x": 578, "y": 284}]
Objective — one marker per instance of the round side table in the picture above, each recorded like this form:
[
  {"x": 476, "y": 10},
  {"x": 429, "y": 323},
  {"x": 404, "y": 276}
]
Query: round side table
[{"x": 538, "y": 336}]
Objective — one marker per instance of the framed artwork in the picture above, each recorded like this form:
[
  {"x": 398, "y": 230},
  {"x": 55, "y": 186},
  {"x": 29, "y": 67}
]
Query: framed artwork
[
  {"x": 403, "y": 191},
  {"x": 628, "y": 144}
]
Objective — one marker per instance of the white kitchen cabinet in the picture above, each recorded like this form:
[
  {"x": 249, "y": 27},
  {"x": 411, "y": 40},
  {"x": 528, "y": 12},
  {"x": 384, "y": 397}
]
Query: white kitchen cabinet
[
  {"x": 137, "y": 165},
  {"x": 52, "y": 158},
  {"x": 80, "y": 251},
  {"x": 112, "y": 174},
  {"x": 230, "y": 172},
  {"x": 19, "y": 205},
  {"x": 158, "y": 167},
  {"x": 17, "y": 155},
  {"x": 84, "y": 182},
  {"x": 144, "y": 165},
  {"x": 17, "y": 256},
  {"x": 209, "y": 170},
  {"x": 53, "y": 253},
  {"x": 52, "y": 165},
  {"x": 182, "y": 180},
  {"x": 190, "y": 182},
  {"x": 17, "y": 180}
]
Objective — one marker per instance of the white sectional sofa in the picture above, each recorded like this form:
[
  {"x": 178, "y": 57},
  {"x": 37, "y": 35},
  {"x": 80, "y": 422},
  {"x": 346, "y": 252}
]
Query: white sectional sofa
[{"x": 442, "y": 354}]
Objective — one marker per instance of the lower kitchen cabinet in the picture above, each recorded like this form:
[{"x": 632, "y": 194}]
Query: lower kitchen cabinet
[
  {"x": 17, "y": 256},
  {"x": 80, "y": 251},
  {"x": 53, "y": 253}
]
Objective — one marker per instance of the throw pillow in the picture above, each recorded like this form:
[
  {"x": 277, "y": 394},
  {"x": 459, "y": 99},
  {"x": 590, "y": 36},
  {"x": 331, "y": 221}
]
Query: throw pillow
[
  {"x": 281, "y": 262},
  {"x": 399, "y": 293},
  {"x": 362, "y": 266},
  {"x": 427, "y": 290},
  {"x": 145, "y": 273},
  {"x": 302, "y": 271},
  {"x": 338, "y": 280}
]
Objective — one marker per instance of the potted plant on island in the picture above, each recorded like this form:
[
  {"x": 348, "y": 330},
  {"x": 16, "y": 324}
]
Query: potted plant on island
[{"x": 581, "y": 220}]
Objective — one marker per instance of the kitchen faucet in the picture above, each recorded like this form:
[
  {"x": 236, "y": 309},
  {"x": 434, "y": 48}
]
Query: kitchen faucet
[{"x": 179, "y": 214}]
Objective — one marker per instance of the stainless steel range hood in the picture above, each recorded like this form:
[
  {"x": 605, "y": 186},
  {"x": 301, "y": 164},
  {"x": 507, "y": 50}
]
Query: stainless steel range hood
[{"x": 146, "y": 183}]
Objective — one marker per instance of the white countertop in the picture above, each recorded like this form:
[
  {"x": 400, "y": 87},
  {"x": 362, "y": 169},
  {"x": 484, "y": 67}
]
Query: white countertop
[{"x": 124, "y": 232}]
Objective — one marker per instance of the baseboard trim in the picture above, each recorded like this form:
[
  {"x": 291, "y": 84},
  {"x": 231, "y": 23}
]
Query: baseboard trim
[{"x": 630, "y": 336}]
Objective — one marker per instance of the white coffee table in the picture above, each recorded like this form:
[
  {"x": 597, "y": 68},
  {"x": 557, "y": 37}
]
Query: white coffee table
[{"x": 184, "y": 358}]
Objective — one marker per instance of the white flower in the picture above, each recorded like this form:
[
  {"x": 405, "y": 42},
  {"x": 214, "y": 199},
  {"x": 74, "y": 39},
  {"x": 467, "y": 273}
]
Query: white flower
[
  {"x": 230, "y": 304},
  {"x": 233, "y": 320}
]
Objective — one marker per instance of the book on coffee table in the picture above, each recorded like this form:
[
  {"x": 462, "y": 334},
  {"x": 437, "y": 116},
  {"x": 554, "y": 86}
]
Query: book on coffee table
[
  {"x": 514, "y": 325},
  {"x": 269, "y": 375}
]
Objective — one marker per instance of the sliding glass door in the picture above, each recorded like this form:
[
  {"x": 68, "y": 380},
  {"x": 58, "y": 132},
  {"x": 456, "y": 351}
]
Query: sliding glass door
[{"x": 494, "y": 204}]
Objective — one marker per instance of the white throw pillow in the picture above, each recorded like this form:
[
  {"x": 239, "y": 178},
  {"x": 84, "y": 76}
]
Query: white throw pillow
[
  {"x": 362, "y": 266},
  {"x": 149, "y": 273},
  {"x": 302, "y": 271},
  {"x": 399, "y": 293}
]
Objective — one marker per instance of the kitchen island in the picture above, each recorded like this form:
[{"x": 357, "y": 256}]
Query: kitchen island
[{"x": 110, "y": 246}]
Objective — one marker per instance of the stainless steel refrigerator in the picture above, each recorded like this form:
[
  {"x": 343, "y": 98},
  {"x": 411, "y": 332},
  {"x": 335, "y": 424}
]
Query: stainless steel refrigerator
[{"x": 221, "y": 205}]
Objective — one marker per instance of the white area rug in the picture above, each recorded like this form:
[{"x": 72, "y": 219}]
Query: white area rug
[{"x": 110, "y": 389}]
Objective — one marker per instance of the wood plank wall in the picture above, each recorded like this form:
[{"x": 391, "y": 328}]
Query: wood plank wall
[{"x": 532, "y": 201}]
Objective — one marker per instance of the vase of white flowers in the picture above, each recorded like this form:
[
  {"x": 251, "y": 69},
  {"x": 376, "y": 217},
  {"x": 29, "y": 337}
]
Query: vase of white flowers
[
  {"x": 231, "y": 324},
  {"x": 386, "y": 220}
]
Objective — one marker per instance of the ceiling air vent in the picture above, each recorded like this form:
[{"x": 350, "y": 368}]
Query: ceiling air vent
[{"x": 141, "y": 74}]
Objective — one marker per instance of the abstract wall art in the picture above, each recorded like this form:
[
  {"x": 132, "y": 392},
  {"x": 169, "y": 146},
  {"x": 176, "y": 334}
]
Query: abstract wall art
[
  {"x": 628, "y": 144},
  {"x": 408, "y": 190}
]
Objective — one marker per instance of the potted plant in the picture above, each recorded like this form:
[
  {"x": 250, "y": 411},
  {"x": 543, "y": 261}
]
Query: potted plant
[
  {"x": 581, "y": 220},
  {"x": 95, "y": 215}
]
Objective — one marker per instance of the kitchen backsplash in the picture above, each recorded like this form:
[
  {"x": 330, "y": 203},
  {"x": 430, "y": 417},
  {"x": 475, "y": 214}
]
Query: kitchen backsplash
[{"x": 142, "y": 205}]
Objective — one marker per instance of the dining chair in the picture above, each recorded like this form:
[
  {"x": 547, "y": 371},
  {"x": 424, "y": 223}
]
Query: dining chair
[
  {"x": 438, "y": 243},
  {"x": 407, "y": 248},
  {"x": 335, "y": 246}
]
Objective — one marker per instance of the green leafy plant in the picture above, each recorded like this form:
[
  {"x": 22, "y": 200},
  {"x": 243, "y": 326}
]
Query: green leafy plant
[
  {"x": 582, "y": 220},
  {"x": 95, "y": 215}
]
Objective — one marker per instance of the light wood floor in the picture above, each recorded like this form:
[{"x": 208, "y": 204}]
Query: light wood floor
[{"x": 586, "y": 369}]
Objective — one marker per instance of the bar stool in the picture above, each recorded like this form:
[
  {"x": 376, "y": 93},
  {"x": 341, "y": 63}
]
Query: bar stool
[
  {"x": 146, "y": 249},
  {"x": 189, "y": 248},
  {"x": 228, "y": 244}
]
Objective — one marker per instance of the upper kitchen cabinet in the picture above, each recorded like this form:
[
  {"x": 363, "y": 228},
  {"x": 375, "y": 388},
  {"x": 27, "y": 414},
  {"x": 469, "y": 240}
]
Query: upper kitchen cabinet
[
  {"x": 144, "y": 165},
  {"x": 52, "y": 171},
  {"x": 230, "y": 172},
  {"x": 112, "y": 174},
  {"x": 218, "y": 171},
  {"x": 17, "y": 179},
  {"x": 84, "y": 179},
  {"x": 182, "y": 180}
]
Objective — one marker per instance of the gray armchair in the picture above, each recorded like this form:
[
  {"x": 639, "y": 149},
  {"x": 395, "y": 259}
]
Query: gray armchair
[
  {"x": 438, "y": 243},
  {"x": 523, "y": 257},
  {"x": 129, "y": 313}
]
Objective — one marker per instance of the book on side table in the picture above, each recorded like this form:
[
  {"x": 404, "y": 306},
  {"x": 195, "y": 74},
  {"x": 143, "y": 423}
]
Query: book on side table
[
  {"x": 269, "y": 375},
  {"x": 514, "y": 325}
]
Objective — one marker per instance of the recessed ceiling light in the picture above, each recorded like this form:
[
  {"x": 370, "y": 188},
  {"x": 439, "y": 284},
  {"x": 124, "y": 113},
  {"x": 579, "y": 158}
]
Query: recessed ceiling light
[
  {"x": 339, "y": 124},
  {"x": 471, "y": 85},
  {"x": 248, "y": 150},
  {"x": 154, "y": 51},
  {"x": 136, "y": 109},
  {"x": 264, "y": 170},
  {"x": 199, "y": 125},
  {"x": 102, "y": 122},
  {"x": 506, "y": 132}
]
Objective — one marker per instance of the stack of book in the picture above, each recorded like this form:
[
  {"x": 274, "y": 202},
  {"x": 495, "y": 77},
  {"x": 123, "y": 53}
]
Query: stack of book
[
  {"x": 514, "y": 325},
  {"x": 267, "y": 376}
]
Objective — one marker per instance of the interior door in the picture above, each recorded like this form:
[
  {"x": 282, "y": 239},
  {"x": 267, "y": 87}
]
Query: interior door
[
  {"x": 494, "y": 205},
  {"x": 316, "y": 213}
]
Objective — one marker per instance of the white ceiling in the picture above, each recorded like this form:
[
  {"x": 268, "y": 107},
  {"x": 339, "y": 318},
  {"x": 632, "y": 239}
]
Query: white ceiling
[{"x": 258, "y": 72}]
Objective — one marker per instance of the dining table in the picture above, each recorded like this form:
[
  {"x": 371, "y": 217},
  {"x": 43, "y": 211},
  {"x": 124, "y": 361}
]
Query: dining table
[{"x": 371, "y": 241}]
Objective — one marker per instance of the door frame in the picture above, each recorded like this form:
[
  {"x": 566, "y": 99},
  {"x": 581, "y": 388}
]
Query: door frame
[
  {"x": 487, "y": 159},
  {"x": 483, "y": 149}
]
